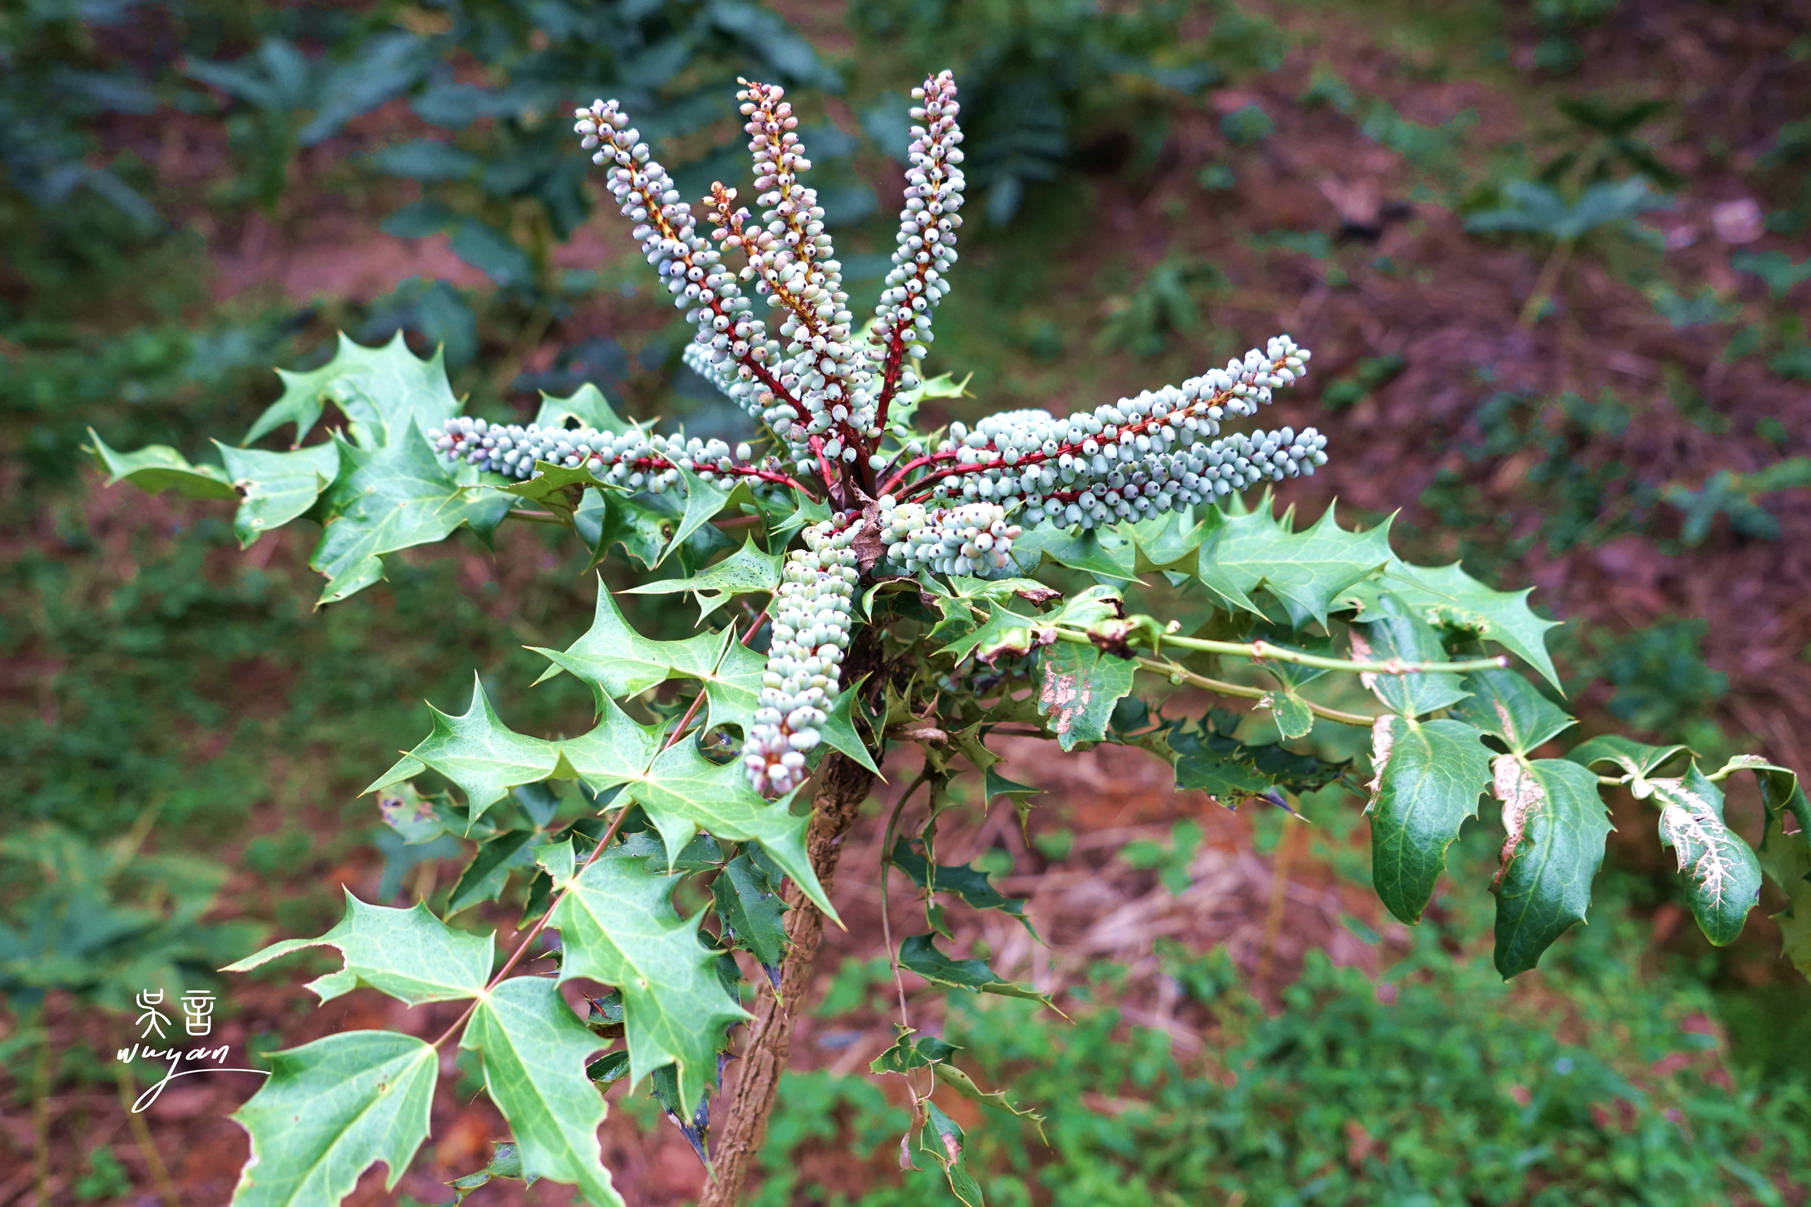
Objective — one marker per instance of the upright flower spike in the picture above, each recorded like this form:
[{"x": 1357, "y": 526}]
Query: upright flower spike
[
  {"x": 793, "y": 262},
  {"x": 927, "y": 246},
  {"x": 744, "y": 358}
]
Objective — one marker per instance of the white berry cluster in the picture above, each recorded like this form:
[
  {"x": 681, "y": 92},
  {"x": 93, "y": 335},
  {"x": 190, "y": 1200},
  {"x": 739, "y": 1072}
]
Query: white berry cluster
[
  {"x": 927, "y": 235},
  {"x": 972, "y": 538},
  {"x": 742, "y": 357},
  {"x": 1139, "y": 456},
  {"x": 632, "y": 459},
  {"x": 812, "y": 613}
]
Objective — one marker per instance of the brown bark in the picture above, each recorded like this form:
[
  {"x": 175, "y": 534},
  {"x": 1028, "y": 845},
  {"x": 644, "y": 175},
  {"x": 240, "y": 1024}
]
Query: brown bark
[{"x": 749, "y": 1102}]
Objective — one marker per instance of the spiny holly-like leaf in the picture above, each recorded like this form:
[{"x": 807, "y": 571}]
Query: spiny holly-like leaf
[
  {"x": 1395, "y": 634},
  {"x": 382, "y": 390},
  {"x": 1722, "y": 875},
  {"x": 838, "y": 730},
  {"x": 1446, "y": 596},
  {"x": 275, "y": 488},
  {"x": 972, "y": 887},
  {"x": 748, "y": 571},
  {"x": 487, "y": 875},
  {"x": 1108, "y": 552},
  {"x": 618, "y": 663},
  {"x": 479, "y": 753},
  {"x": 1305, "y": 571},
  {"x": 1429, "y": 775},
  {"x": 751, "y": 907},
  {"x": 685, "y": 792},
  {"x": 618, "y": 926},
  {"x": 919, "y": 954},
  {"x": 393, "y": 497},
  {"x": 505, "y": 1162},
  {"x": 1207, "y": 756},
  {"x": 1505, "y": 705},
  {"x": 704, "y": 501},
  {"x": 534, "y": 1053},
  {"x": 158, "y": 467},
  {"x": 1078, "y": 688},
  {"x": 1556, "y": 827},
  {"x": 331, "y": 1110},
  {"x": 407, "y": 953},
  {"x": 911, "y": 1051}
]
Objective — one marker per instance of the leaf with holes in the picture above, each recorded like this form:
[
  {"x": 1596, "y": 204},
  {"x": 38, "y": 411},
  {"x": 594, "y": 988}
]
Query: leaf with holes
[
  {"x": 1428, "y": 776},
  {"x": 275, "y": 488},
  {"x": 1556, "y": 826}
]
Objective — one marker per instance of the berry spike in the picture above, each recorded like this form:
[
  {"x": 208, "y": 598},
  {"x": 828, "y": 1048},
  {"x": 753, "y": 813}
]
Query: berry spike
[
  {"x": 691, "y": 269},
  {"x": 812, "y": 614},
  {"x": 1158, "y": 446},
  {"x": 793, "y": 262},
  {"x": 973, "y": 539},
  {"x": 634, "y": 460},
  {"x": 927, "y": 244}
]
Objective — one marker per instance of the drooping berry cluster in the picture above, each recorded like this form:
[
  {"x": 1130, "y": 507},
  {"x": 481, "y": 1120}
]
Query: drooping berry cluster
[
  {"x": 973, "y": 538},
  {"x": 633, "y": 459},
  {"x": 1140, "y": 456},
  {"x": 812, "y": 614},
  {"x": 926, "y": 241}
]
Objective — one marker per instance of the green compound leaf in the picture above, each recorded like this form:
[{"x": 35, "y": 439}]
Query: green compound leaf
[
  {"x": 534, "y": 1052},
  {"x": 1208, "y": 757},
  {"x": 275, "y": 488},
  {"x": 618, "y": 663},
  {"x": 685, "y": 792},
  {"x": 159, "y": 467},
  {"x": 1722, "y": 874},
  {"x": 1305, "y": 571},
  {"x": 479, "y": 753},
  {"x": 389, "y": 498},
  {"x": 1446, "y": 596},
  {"x": 381, "y": 390},
  {"x": 1506, "y": 706},
  {"x": 919, "y": 954},
  {"x": 1556, "y": 827},
  {"x": 407, "y": 953},
  {"x": 331, "y": 1110},
  {"x": 704, "y": 501},
  {"x": 1395, "y": 634},
  {"x": 750, "y": 906},
  {"x": 618, "y": 926},
  {"x": 1429, "y": 775},
  {"x": 1078, "y": 688}
]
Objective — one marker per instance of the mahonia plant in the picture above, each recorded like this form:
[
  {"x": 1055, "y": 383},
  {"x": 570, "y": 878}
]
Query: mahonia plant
[{"x": 889, "y": 588}]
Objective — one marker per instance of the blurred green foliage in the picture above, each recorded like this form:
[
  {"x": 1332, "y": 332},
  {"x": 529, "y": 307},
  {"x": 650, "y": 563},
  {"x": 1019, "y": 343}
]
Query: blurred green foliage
[{"x": 1421, "y": 1084}]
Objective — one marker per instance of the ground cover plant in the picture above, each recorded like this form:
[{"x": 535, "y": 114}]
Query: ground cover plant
[{"x": 885, "y": 586}]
